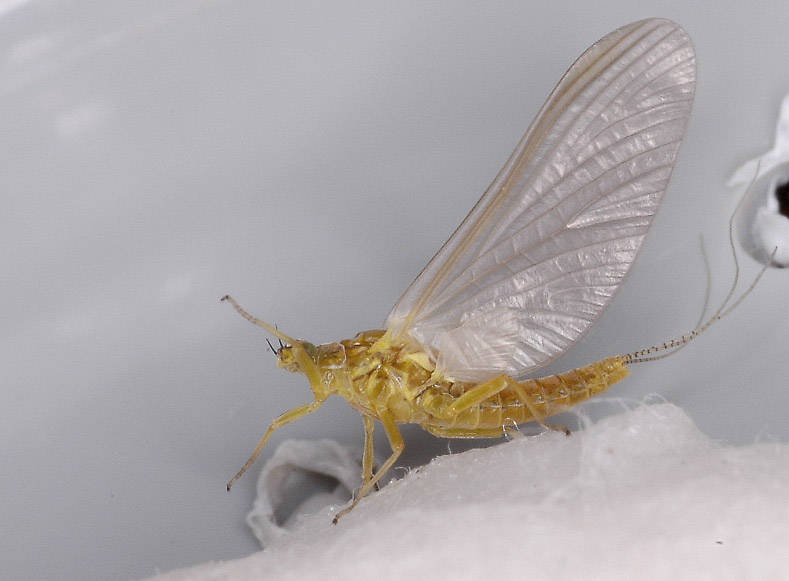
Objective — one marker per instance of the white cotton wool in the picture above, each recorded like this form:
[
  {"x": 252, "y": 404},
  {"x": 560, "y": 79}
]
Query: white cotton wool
[
  {"x": 641, "y": 495},
  {"x": 762, "y": 221}
]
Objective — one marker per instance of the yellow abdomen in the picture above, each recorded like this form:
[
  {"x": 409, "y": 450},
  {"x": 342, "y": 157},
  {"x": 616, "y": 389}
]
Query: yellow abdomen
[{"x": 516, "y": 402}]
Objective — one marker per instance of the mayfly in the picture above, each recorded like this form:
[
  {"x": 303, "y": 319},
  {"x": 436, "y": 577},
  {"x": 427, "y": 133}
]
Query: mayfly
[{"x": 529, "y": 270}]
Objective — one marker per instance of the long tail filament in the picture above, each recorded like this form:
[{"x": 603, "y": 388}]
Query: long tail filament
[{"x": 674, "y": 345}]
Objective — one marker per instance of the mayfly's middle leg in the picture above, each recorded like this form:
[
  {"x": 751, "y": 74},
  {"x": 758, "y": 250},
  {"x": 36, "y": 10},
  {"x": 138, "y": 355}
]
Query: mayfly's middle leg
[
  {"x": 369, "y": 452},
  {"x": 397, "y": 444},
  {"x": 284, "y": 419}
]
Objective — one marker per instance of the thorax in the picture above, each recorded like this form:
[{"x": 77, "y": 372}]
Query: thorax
[{"x": 377, "y": 374}]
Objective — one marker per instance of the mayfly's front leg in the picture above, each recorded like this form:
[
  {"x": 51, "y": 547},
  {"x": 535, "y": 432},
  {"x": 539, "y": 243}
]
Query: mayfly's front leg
[
  {"x": 369, "y": 452},
  {"x": 284, "y": 419},
  {"x": 397, "y": 444}
]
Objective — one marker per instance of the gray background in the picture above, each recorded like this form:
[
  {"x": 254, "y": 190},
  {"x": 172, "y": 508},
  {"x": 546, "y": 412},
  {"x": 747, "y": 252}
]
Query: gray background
[{"x": 309, "y": 160}]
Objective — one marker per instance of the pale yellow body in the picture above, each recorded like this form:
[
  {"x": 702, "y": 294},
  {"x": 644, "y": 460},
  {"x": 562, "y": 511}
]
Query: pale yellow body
[
  {"x": 380, "y": 377},
  {"x": 395, "y": 382}
]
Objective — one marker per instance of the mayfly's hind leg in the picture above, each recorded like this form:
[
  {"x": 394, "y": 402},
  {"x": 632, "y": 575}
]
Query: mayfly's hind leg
[
  {"x": 284, "y": 419},
  {"x": 478, "y": 394},
  {"x": 369, "y": 451},
  {"x": 443, "y": 432},
  {"x": 526, "y": 399},
  {"x": 397, "y": 444}
]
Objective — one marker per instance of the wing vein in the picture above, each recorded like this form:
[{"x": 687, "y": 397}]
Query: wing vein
[
  {"x": 560, "y": 229},
  {"x": 569, "y": 251}
]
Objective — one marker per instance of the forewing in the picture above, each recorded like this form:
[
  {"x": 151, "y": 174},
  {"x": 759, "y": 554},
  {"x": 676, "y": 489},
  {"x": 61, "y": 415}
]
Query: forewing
[{"x": 542, "y": 252}]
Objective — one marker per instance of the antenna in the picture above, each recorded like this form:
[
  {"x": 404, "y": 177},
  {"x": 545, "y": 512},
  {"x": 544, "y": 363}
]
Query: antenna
[{"x": 273, "y": 330}]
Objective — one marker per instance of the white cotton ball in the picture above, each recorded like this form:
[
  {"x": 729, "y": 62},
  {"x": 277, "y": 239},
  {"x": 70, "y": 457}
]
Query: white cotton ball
[
  {"x": 642, "y": 495},
  {"x": 770, "y": 232},
  {"x": 763, "y": 228}
]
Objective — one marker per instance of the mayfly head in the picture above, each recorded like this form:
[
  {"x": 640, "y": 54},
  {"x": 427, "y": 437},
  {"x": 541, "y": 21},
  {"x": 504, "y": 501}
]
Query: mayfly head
[{"x": 286, "y": 355}]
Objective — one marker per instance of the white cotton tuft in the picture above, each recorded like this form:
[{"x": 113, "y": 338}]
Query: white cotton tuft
[
  {"x": 641, "y": 495},
  {"x": 762, "y": 221},
  {"x": 294, "y": 465}
]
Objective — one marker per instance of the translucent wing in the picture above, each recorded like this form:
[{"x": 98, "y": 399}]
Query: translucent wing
[{"x": 541, "y": 254}]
